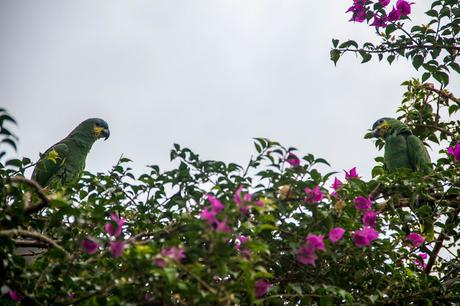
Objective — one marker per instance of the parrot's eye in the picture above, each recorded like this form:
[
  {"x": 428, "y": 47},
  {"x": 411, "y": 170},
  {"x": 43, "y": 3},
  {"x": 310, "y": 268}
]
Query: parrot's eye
[{"x": 97, "y": 124}]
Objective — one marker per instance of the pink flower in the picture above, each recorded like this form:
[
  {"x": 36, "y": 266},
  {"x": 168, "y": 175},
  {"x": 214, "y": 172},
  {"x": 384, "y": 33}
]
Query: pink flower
[
  {"x": 352, "y": 174},
  {"x": 159, "y": 261},
  {"x": 221, "y": 226},
  {"x": 293, "y": 160},
  {"x": 315, "y": 241},
  {"x": 262, "y": 287},
  {"x": 240, "y": 201},
  {"x": 241, "y": 240},
  {"x": 306, "y": 255},
  {"x": 90, "y": 246},
  {"x": 370, "y": 218},
  {"x": 365, "y": 236},
  {"x": 15, "y": 296},
  {"x": 216, "y": 205},
  {"x": 394, "y": 15},
  {"x": 416, "y": 239},
  {"x": 384, "y": 2},
  {"x": 379, "y": 22},
  {"x": 208, "y": 215},
  {"x": 259, "y": 203},
  {"x": 114, "y": 227},
  {"x": 337, "y": 184},
  {"x": 454, "y": 151},
  {"x": 421, "y": 261},
  {"x": 363, "y": 203},
  {"x": 313, "y": 195},
  {"x": 359, "y": 11},
  {"x": 117, "y": 248},
  {"x": 336, "y": 234},
  {"x": 403, "y": 7},
  {"x": 175, "y": 253}
]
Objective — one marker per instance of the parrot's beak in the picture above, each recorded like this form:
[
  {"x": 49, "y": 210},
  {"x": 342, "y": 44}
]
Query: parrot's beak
[
  {"x": 105, "y": 133},
  {"x": 376, "y": 133}
]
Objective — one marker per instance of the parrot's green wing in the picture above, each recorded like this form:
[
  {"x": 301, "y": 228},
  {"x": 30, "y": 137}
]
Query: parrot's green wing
[
  {"x": 51, "y": 165},
  {"x": 418, "y": 155}
]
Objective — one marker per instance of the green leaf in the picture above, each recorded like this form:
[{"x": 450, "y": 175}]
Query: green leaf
[
  {"x": 335, "y": 42},
  {"x": 335, "y": 55},
  {"x": 426, "y": 76},
  {"x": 417, "y": 61},
  {"x": 390, "y": 58},
  {"x": 366, "y": 56}
]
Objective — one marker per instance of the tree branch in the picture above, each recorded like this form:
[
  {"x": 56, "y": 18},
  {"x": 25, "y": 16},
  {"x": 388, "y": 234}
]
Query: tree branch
[
  {"x": 35, "y": 235},
  {"x": 38, "y": 189}
]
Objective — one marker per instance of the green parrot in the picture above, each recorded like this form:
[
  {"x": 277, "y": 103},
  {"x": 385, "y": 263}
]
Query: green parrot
[
  {"x": 63, "y": 163},
  {"x": 402, "y": 148}
]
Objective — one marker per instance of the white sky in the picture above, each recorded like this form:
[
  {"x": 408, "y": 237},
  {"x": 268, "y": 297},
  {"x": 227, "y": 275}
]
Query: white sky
[{"x": 207, "y": 74}]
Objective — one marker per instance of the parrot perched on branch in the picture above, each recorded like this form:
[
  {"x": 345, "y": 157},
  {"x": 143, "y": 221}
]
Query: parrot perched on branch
[
  {"x": 63, "y": 163},
  {"x": 402, "y": 148}
]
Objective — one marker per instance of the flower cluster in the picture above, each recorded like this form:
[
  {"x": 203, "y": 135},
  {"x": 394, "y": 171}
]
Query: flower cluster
[
  {"x": 454, "y": 151},
  {"x": 293, "y": 160},
  {"x": 174, "y": 253},
  {"x": 239, "y": 242},
  {"x": 400, "y": 9},
  {"x": 314, "y": 195},
  {"x": 114, "y": 229},
  {"x": 306, "y": 254}
]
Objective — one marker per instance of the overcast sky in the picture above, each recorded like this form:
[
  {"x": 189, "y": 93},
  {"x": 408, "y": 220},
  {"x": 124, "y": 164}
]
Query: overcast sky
[{"x": 207, "y": 74}]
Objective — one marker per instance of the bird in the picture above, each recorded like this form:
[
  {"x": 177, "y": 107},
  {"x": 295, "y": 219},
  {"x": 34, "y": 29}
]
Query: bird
[
  {"x": 402, "y": 148},
  {"x": 63, "y": 163}
]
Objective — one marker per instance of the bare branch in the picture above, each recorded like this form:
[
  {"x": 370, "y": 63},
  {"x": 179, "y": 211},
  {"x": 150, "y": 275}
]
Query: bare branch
[{"x": 35, "y": 235}]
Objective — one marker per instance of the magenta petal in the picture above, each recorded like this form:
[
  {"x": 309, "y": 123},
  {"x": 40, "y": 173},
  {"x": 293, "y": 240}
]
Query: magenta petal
[
  {"x": 336, "y": 234},
  {"x": 362, "y": 203},
  {"x": 261, "y": 287},
  {"x": 15, "y": 296},
  {"x": 416, "y": 239},
  {"x": 365, "y": 236},
  {"x": 370, "y": 218},
  {"x": 117, "y": 248},
  {"x": 90, "y": 246}
]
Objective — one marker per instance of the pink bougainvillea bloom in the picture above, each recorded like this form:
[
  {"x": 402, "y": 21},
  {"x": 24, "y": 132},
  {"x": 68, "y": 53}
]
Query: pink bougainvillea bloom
[
  {"x": 365, "y": 236},
  {"x": 384, "y": 2},
  {"x": 370, "y": 218},
  {"x": 314, "y": 195},
  {"x": 241, "y": 240},
  {"x": 15, "y": 296},
  {"x": 336, "y": 234},
  {"x": 114, "y": 228},
  {"x": 306, "y": 255},
  {"x": 237, "y": 195},
  {"x": 394, "y": 15},
  {"x": 240, "y": 201},
  {"x": 352, "y": 174},
  {"x": 315, "y": 241},
  {"x": 416, "y": 239},
  {"x": 175, "y": 253},
  {"x": 421, "y": 261},
  {"x": 90, "y": 246},
  {"x": 262, "y": 287},
  {"x": 363, "y": 203},
  {"x": 454, "y": 151},
  {"x": 359, "y": 11},
  {"x": 337, "y": 184},
  {"x": 216, "y": 205},
  {"x": 293, "y": 160},
  {"x": 259, "y": 203},
  {"x": 379, "y": 22},
  {"x": 117, "y": 248},
  {"x": 222, "y": 226},
  {"x": 208, "y": 215},
  {"x": 403, "y": 7},
  {"x": 159, "y": 261}
]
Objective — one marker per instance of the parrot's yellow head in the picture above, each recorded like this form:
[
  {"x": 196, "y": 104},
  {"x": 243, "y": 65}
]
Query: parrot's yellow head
[
  {"x": 92, "y": 129},
  {"x": 381, "y": 127}
]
